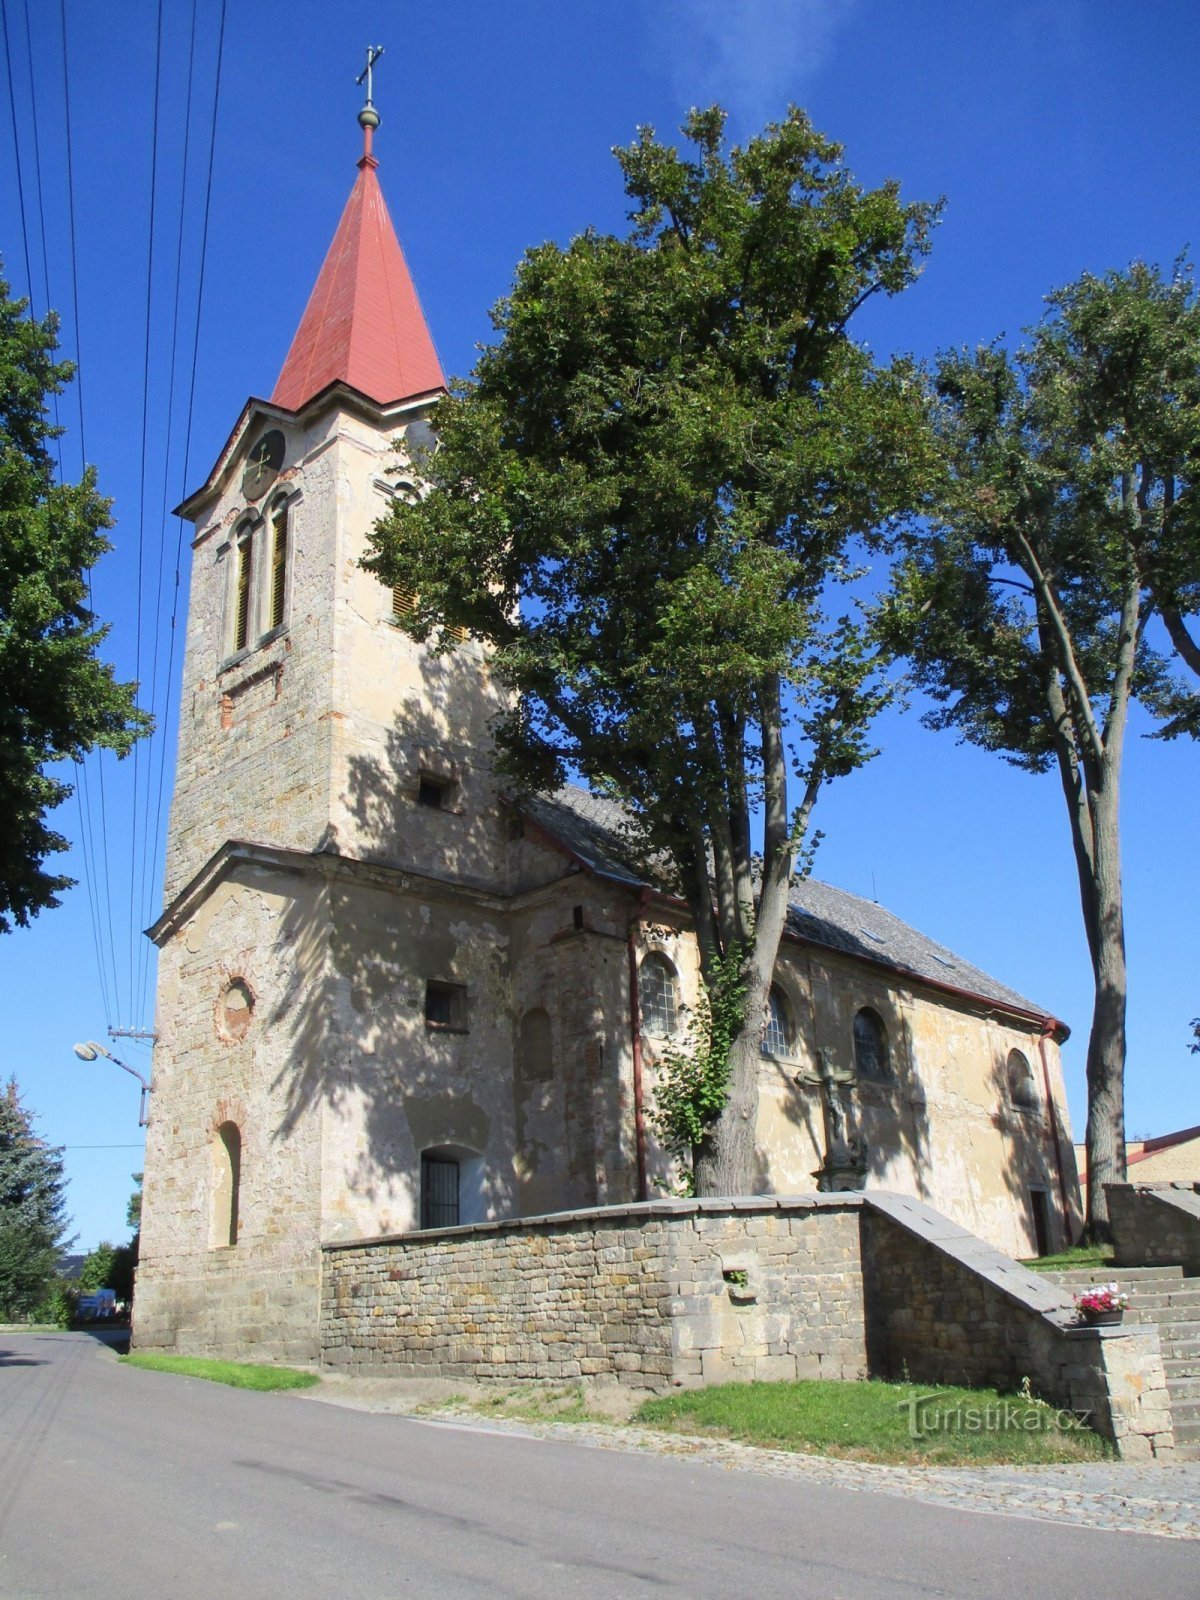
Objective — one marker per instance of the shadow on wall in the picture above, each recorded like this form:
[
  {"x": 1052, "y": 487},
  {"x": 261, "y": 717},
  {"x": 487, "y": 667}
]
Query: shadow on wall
[
  {"x": 1031, "y": 1168},
  {"x": 418, "y": 794},
  {"x": 891, "y": 1112},
  {"x": 397, "y": 1012}
]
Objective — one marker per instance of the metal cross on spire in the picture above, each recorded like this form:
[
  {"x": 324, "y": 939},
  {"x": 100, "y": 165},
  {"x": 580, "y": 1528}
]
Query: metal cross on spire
[
  {"x": 374, "y": 51},
  {"x": 368, "y": 117}
]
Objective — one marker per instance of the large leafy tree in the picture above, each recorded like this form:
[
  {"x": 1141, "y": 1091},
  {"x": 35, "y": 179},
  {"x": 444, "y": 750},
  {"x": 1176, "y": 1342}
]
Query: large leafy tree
[
  {"x": 32, "y": 1209},
  {"x": 644, "y": 500},
  {"x": 1029, "y": 603},
  {"x": 57, "y": 699}
]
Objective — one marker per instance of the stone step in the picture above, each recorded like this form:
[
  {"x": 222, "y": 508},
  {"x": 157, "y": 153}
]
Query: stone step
[
  {"x": 1186, "y": 1452},
  {"x": 1181, "y": 1366},
  {"x": 1186, "y": 1432},
  {"x": 1082, "y": 1276},
  {"x": 1185, "y": 1412},
  {"x": 1172, "y": 1324},
  {"x": 1174, "y": 1297},
  {"x": 1183, "y": 1386}
]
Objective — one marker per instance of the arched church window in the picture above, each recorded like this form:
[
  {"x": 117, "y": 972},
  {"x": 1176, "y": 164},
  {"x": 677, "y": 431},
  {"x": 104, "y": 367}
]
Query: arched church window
[
  {"x": 1022, "y": 1085},
  {"x": 535, "y": 1056},
  {"x": 439, "y": 1190},
  {"x": 226, "y": 1185},
  {"x": 658, "y": 991},
  {"x": 778, "y": 1037},
  {"x": 871, "y": 1045}
]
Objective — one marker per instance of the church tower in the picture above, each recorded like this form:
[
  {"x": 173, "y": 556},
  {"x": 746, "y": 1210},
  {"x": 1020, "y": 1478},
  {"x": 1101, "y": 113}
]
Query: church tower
[{"x": 335, "y": 1055}]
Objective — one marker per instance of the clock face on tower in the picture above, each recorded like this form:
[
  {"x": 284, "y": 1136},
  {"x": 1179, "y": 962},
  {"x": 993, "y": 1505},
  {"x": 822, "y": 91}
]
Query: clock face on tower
[{"x": 262, "y": 465}]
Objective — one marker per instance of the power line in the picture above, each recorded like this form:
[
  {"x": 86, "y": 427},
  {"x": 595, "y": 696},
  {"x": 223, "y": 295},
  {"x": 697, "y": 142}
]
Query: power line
[
  {"x": 12, "y": 102},
  {"x": 187, "y": 444},
  {"x": 143, "y": 946},
  {"x": 104, "y": 892},
  {"x": 141, "y": 539}
]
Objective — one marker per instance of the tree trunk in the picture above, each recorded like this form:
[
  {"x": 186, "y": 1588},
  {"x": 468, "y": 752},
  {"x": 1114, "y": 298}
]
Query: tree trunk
[
  {"x": 727, "y": 1163},
  {"x": 1106, "y": 1043}
]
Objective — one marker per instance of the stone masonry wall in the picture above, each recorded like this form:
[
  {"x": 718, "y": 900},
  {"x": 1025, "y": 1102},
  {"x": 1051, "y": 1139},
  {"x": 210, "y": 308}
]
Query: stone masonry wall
[
  {"x": 943, "y": 1307},
  {"x": 652, "y": 1295},
  {"x": 1155, "y": 1225}
]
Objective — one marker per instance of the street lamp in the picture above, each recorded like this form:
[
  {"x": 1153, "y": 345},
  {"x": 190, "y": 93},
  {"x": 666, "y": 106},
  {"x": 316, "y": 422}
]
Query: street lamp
[{"x": 89, "y": 1052}]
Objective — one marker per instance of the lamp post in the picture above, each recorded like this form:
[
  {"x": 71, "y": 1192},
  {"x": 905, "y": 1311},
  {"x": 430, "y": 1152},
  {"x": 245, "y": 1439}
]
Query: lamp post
[{"x": 89, "y": 1052}]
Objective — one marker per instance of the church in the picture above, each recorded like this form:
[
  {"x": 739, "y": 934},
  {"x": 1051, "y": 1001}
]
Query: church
[{"x": 392, "y": 997}]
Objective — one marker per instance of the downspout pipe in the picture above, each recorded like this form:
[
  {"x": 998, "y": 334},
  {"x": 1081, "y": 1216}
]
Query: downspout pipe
[
  {"x": 635, "y": 1039},
  {"x": 1048, "y": 1027}
]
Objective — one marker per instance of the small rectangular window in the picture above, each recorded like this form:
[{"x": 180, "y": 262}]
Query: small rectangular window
[
  {"x": 446, "y": 1006},
  {"x": 404, "y": 600},
  {"x": 241, "y": 625},
  {"x": 432, "y": 794},
  {"x": 279, "y": 554}
]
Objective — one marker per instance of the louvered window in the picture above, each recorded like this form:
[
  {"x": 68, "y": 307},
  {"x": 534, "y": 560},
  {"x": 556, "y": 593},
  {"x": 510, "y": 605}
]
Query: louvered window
[
  {"x": 279, "y": 556},
  {"x": 241, "y": 624},
  {"x": 404, "y": 600}
]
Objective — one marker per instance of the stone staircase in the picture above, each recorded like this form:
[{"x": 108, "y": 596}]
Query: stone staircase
[{"x": 1161, "y": 1295}]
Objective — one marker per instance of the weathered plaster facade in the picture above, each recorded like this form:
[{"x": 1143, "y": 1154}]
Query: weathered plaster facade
[{"x": 379, "y": 976}]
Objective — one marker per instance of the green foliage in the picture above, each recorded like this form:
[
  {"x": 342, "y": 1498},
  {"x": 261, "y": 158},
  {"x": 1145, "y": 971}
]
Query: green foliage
[
  {"x": 109, "y": 1266},
  {"x": 874, "y": 1421},
  {"x": 692, "y": 1081},
  {"x": 1080, "y": 1255},
  {"x": 1070, "y": 484},
  {"x": 57, "y": 699},
  {"x": 1055, "y": 584},
  {"x": 32, "y": 1210},
  {"x": 237, "y": 1374},
  {"x": 133, "y": 1211},
  {"x": 59, "y": 1305},
  {"x": 648, "y": 494}
]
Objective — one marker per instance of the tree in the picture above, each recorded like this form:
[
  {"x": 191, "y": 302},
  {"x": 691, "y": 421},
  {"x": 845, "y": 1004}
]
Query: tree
[
  {"x": 57, "y": 699},
  {"x": 644, "y": 500},
  {"x": 32, "y": 1209},
  {"x": 1025, "y": 604}
]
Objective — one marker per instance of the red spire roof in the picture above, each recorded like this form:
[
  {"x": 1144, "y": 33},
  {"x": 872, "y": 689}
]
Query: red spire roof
[{"x": 363, "y": 323}]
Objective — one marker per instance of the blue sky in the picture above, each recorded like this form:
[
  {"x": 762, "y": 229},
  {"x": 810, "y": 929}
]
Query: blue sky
[{"x": 1063, "y": 136}]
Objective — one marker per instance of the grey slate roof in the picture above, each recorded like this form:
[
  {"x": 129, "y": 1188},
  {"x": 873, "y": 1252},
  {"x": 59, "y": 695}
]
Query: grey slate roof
[{"x": 590, "y": 828}]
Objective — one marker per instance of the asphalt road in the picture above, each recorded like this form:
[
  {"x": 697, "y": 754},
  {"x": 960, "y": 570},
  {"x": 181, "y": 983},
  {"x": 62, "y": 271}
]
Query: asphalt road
[{"x": 117, "y": 1482}]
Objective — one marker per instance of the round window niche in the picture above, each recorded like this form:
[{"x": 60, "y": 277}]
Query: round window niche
[{"x": 235, "y": 1009}]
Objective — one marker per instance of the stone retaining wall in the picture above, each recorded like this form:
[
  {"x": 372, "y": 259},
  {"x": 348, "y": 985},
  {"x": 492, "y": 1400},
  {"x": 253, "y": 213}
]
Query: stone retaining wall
[
  {"x": 653, "y": 1295},
  {"x": 1155, "y": 1225},
  {"x": 684, "y": 1293}
]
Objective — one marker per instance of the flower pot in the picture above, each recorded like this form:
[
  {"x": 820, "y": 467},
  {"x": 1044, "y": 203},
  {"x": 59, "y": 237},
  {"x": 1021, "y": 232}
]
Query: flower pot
[{"x": 1102, "y": 1319}]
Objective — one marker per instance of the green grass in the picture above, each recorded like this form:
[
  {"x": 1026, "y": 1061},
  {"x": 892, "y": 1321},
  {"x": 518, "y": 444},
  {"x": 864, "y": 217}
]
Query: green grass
[
  {"x": 871, "y": 1422},
  {"x": 1079, "y": 1256},
  {"x": 238, "y": 1374}
]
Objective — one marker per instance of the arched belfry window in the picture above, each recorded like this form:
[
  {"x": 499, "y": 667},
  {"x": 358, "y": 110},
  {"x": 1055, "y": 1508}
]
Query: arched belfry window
[
  {"x": 658, "y": 993},
  {"x": 1022, "y": 1085},
  {"x": 779, "y": 1036},
  {"x": 242, "y": 588},
  {"x": 871, "y": 1058},
  {"x": 226, "y": 1184},
  {"x": 279, "y": 562}
]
